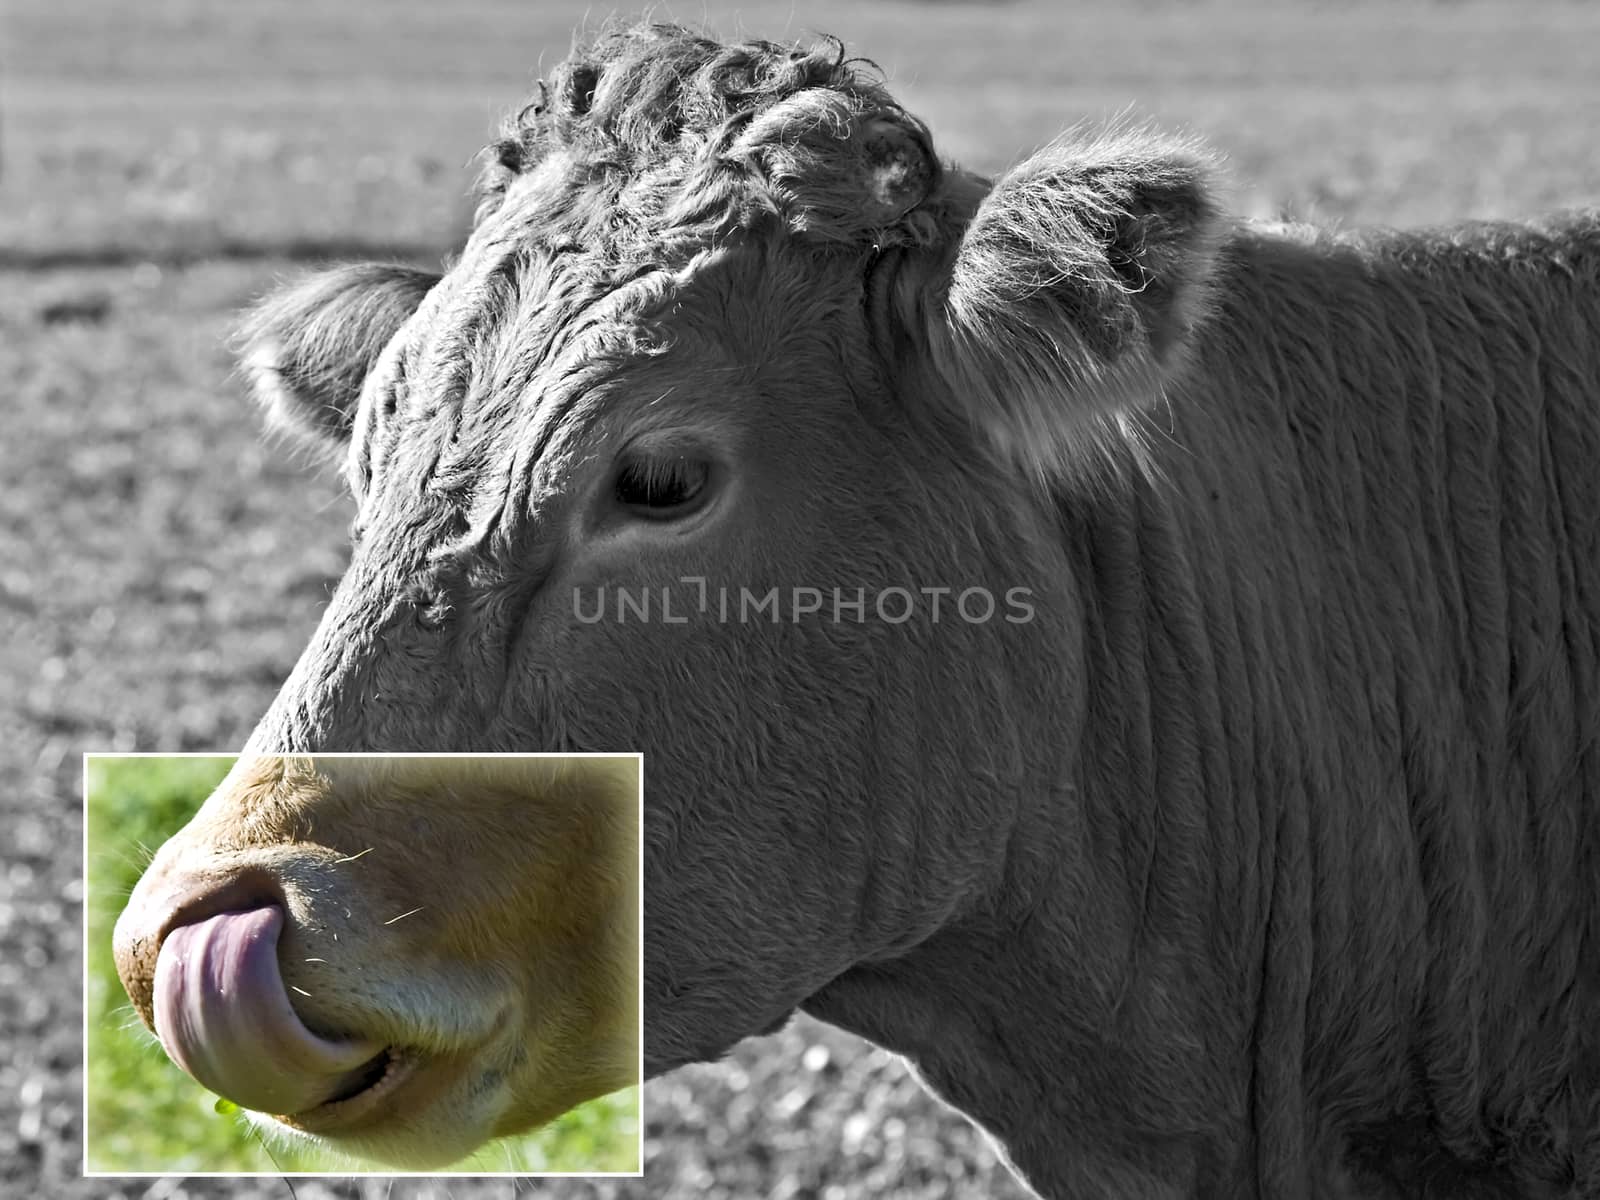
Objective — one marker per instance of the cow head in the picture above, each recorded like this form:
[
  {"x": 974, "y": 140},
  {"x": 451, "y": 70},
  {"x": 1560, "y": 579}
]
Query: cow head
[{"x": 742, "y": 433}]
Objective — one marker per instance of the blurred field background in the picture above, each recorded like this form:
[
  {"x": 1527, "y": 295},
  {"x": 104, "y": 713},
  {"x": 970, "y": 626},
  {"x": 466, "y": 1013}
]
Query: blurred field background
[
  {"x": 162, "y": 163},
  {"x": 141, "y": 1112}
]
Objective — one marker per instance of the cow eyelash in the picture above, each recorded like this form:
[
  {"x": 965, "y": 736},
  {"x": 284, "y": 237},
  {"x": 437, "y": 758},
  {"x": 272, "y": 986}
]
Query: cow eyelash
[{"x": 662, "y": 489}]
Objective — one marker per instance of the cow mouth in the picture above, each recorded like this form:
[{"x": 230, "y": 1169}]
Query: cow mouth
[
  {"x": 365, "y": 1094},
  {"x": 374, "y": 1073},
  {"x": 223, "y": 1013}
]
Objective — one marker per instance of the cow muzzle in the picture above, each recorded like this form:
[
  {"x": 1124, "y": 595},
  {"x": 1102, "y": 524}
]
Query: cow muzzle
[{"x": 199, "y": 959}]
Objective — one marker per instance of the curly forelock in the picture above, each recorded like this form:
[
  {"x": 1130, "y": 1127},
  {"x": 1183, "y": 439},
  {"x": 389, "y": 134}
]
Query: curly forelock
[{"x": 656, "y": 132}]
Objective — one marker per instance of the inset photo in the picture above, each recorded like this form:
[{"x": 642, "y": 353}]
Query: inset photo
[{"x": 362, "y": 963}]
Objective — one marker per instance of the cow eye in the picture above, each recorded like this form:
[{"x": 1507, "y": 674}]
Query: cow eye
[{"x": 662, "y": 489}]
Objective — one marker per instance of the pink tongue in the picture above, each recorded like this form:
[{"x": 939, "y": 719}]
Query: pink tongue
[{"x": 223, "y": 1015}]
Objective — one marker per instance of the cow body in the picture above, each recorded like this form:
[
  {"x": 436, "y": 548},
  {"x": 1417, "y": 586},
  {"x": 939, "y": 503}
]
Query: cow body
[
  {"x": 1333, "y": 809},
  {"x": 1254, "y": 855}
]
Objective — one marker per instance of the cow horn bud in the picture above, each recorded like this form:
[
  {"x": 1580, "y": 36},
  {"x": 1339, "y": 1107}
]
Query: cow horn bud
[
  {"x": 900, "y": 168},
  {"x": 835, "y": 170}
]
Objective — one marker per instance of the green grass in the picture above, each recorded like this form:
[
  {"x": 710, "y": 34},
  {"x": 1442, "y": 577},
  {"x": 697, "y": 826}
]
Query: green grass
[{"x": 144, "y": 1114}]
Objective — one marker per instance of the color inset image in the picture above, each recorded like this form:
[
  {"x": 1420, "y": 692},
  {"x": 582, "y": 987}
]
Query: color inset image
[{"x": 339, "y": 963}]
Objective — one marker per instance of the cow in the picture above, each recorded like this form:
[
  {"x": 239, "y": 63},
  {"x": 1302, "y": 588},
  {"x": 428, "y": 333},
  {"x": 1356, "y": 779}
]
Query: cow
[
  {"x": 390, "y": 954},
  {"x": 1141, "y": 666}
]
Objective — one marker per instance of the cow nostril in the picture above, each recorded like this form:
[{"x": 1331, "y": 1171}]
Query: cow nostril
[
  {"x": 153, "y": 914},
  {"x": 243, "y": 893}
]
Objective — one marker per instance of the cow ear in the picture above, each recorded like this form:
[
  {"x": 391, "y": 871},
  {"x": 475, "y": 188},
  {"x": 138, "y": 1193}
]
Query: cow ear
[
  {"x": 307, "y": 348},
  {"x": 1074, "y": 290}
]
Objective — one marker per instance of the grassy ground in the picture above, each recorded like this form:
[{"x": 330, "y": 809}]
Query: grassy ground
[
  {"x": 141, "y": 1112},
  {"x": 160, "y": 567}
]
